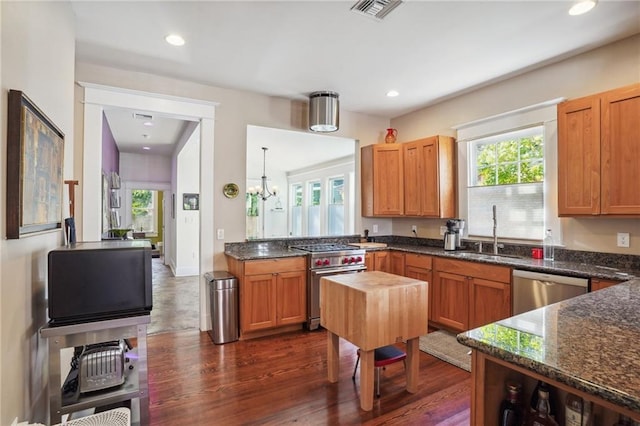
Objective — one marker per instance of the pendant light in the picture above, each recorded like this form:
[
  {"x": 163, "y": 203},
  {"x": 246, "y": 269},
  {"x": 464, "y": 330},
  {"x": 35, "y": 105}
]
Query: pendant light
[
  {"x": 263, "y": 191},
  {"x": 324, "y": 114}
]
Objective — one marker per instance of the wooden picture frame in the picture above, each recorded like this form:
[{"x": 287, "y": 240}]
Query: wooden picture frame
[{"x": 35, "y": 161}]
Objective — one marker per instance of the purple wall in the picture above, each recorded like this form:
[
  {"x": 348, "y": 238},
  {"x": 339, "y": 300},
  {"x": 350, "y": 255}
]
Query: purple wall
[{"x": 110, "y": 153}]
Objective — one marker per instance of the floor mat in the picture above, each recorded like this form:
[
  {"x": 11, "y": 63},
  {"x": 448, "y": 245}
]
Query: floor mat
[{"x": 443, "y": 345}]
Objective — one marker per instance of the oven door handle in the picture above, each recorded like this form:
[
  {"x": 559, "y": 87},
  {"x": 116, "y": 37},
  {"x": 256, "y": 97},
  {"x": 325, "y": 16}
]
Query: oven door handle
[{"x": 339, "y": 270}]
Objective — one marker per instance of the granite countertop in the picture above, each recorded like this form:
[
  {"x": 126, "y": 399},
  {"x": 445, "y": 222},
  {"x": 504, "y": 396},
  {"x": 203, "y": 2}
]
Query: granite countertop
[
  {"x": 589, "y": 342},
  {"x": 577, "y": 268},
  {"x": 566, "y": 268}
]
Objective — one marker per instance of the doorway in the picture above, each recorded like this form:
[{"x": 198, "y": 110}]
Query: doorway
[{"x": 96, "y": 99}]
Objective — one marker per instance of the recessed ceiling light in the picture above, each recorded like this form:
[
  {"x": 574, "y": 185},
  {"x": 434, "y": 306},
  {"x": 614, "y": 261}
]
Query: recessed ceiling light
[
  {"x": 146, "y": 148},
  {"x": 174, "y": 40},
  {"x": 582, "y": 7},
  {"x": 148, "y": 123},
  {"x": 392, "y": 93}
]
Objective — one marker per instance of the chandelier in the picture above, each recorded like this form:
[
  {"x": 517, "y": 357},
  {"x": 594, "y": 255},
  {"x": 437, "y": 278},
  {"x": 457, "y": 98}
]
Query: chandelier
[{"x": 263, "y": 191}]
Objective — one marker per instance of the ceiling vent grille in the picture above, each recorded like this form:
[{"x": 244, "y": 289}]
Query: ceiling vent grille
[
  {"x": 377, "y": 9},
  {"x": 141, "y": 116}
]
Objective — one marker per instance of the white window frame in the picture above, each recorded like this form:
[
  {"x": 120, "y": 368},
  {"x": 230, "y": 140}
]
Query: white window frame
[
  {"x": 544, "y": 114},
  {"x": 154, "y": 209},
  {"x": 340, "y": 169}
]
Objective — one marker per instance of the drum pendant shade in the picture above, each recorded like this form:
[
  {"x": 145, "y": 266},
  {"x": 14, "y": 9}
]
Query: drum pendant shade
[{"x": 324, "y": 114}]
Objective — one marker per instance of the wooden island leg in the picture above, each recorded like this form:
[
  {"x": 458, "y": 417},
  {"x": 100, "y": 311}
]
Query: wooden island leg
[
  {"x": 413, "y": 364},
  {"x": 366, "y": 379},
  {"x": 333, "y": 356}
]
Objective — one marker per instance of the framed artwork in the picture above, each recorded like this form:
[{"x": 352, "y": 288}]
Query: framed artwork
[
  {"x": 190, "y": 202},
  {"x": 105, "y": 203},
  {"x": 35, "y": 160}
]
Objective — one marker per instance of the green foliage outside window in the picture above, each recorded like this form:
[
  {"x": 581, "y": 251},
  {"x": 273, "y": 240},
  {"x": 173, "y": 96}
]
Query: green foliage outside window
[
  {"x": 141, "y": 201},
  {"x": 315, "y": 193},
  {"x": 510, "y": 162},
  {"x": 142, "y": 209}
]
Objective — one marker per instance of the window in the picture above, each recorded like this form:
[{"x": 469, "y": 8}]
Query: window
[
  {"x": 507, "y": 170},
  {"x": 314, "y": 224},
  {"x": 296, "y": 210},
  {"x": 336, "y": 206},
  {"x": 143, "y": 210}
]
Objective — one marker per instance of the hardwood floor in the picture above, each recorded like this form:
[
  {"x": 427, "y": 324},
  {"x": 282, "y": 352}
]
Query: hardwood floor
[{"x": 283, "y": 380}]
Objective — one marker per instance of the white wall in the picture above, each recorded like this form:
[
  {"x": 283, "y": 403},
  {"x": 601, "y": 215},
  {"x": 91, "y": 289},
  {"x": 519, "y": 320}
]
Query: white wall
[
  {"x": 145, "y": 168},
  {"x": 187, "y": 259},
  {"x": 606, "y": 68},
  {"x": 38, "y": 49}
]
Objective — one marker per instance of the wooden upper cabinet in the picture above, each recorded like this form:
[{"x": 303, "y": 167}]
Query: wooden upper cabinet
[
  {"x": 620, "y": 151},
  {"x": 409, "y": 179},
  {"x": 429, "y": 180},
  {"x": 382, "y": 180},
  {"x": 599, "y": 155},
  {"x": 579, "y": 157}
]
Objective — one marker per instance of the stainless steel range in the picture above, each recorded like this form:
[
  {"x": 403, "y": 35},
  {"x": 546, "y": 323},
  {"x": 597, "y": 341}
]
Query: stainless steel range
[{"x": 325, "y": 260}]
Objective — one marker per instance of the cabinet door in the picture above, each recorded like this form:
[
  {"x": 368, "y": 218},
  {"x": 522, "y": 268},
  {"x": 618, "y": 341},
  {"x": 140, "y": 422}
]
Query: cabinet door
[
  {"x": 397, "y": 263},
  {"x": 579, "y": 157},
  {"x": 422, "y": 275},
  {"x": 412, "y": 179},
  {"x": 490, "y": 302},
  {"x": 382, "y": 261},
  {"x": 621, "y": 151},
  {"x": 429, "y": 180},
  {"x": 370, "y": 261},
  {"x": 381, "y": 180},
  {"x": 451, "y": 300},
  {"x": 598, "y": 284},
  {"x": 428, "y": 174},
  {"x": 258, "y": 309},
  {"x": 291, "y": 297}
]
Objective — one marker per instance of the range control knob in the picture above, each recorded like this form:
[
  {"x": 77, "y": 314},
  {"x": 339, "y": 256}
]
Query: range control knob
[
  {"x": 345, "y": 260},
  {"x": 352, "y": 260},
  {"x": 318, "y": 262},
  {"x": 326, "y": 262},
  {"x": 359, "y": 259}
]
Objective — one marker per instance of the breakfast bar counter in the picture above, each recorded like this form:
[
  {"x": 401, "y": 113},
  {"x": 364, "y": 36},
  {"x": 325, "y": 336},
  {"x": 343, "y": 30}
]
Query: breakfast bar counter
[
  {"x": 372, "y": 310},
  {"x": 588, "y": 345}
]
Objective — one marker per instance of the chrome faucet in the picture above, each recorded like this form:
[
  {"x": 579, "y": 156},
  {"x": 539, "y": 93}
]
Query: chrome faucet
[{"x": 495, "y": 231}]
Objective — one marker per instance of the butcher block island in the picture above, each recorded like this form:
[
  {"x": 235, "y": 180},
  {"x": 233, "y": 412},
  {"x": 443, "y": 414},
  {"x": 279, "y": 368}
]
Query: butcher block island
[{"x": 372, "y": 310}]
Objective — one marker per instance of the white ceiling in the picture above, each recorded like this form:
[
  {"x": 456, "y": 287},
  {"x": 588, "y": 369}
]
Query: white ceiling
[{"x": 427, "y": 50}]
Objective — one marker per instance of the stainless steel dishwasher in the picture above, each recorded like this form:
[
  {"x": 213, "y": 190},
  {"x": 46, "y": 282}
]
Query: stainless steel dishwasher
[{"x": 532, "y": 290}]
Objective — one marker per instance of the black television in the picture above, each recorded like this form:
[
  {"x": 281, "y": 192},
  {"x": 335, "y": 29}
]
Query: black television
[{"x": 92, "y": 281}]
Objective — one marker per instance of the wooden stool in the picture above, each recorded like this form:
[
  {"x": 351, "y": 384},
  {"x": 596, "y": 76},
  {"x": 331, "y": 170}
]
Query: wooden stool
[{"x": 382, "y": 356}]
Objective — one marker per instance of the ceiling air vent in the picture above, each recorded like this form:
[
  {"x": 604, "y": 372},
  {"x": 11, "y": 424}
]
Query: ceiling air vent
[
  {"x": 375, "y": 8},
  {"x": 140, "y": 116}
]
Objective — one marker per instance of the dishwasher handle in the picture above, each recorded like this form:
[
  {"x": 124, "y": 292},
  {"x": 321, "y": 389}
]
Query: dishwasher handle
[{"x": 551, "y": 278}]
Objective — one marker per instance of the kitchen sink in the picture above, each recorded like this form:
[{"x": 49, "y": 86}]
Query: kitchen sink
[
  {"x": 497, "y": 256},
  {"x": 476, "y": 255}
]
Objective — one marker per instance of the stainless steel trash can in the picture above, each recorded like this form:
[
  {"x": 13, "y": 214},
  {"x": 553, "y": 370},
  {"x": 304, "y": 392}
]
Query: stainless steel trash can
[{"x": 223, "y": 292}]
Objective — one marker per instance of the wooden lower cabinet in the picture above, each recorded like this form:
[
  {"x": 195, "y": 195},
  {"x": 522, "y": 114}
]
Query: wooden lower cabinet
[
  {"x": 419, "y": 267},
  {"x": 396, "y": 263},
  {"x": 468, "y": 294},
  {"x": 490, "y": 301},
  {"x": 599, "y": 284},
  {"x": 451, "y": 300},
  {"x": 382, "y": 261},
  {"x": 273, "y": 292}
]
